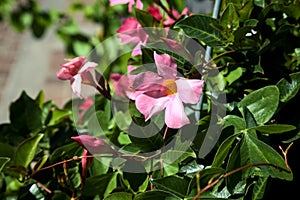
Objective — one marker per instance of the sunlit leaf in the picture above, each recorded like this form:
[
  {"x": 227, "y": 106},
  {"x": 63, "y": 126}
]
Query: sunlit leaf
[
  {"x": 202, "y": 28},
  {"x": 25, "y": 152},
  {"x": 261, "y": 103},
  {"x": 289, "y": 88}
]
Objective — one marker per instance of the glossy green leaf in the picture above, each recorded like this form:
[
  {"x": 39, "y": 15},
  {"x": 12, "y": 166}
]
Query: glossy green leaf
[
  {"x": 3, "y": 162},
  {"x": 156, "y": 194},
  {"x": 249, "y": 151},
  {"x": 238, "y": 123},
  {"x": 288, "y": 89},
  {"x": 274, "y": 128},
  {"x": 25, "y": 152},
  {"x": 119, "y": 196},
  {"x": 262, "y": 103},
  {"x": 172, "y": 184},
  {"x": 202, "y": 28},
  {"x": 224, "y": 150}
]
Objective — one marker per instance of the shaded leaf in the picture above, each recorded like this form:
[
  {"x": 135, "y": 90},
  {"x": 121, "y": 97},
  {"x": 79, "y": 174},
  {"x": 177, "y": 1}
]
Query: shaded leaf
[
  {"x": 119, "y": 196},
  {"x": 97, "y": 185},
  {"x": 156, "y": 194},
  {"x": 172, "y": 184},
  {"x": 25, "y": 114},
  {"x": 3, "y": 162}
]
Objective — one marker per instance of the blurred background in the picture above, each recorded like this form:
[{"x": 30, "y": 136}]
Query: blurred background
[{"x": 36, "y": 36}]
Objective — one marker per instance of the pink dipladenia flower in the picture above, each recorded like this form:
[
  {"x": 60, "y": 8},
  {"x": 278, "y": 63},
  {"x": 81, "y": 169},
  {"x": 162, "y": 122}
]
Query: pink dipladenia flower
[
  {"x": 131, "y": 32},
  {"x": 123, "y": 83},
  {"x": 77, "y": 70},
  {"x": 92, "y": 145},
  {"x": 138, "y": 3},
  {"x": 166, "y": 91}
]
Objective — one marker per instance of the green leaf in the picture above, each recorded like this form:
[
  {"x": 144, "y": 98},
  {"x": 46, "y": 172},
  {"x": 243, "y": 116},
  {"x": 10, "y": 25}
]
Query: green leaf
[
  {"x": 156, "y": 194},
  {"x": 234, "y": 75},
  {"x": 238, "y": 123},
  {"x": 172, "y": 184},
  {"x": 202, "y": 28},
  {"x": 26, "y": 150},
  {"x": 260, "y": 188},
  {"x": 25, "y": 114},
  {"x": 261, "y": 103},
  {"x": 144, "y": 18},
  {"x": 119, "y": 196},
  {"x": 223, "y": 150},
  {"x": 178, "y": 153},
  {"x": 249, "y": 151},
  {"x": 3, "y": 162},
  {"x": 230, "y": 18},
  {"x": 288, "y": 89},
  {"x": 274, "y": 128},
  {"x": 97, "y": 185}
]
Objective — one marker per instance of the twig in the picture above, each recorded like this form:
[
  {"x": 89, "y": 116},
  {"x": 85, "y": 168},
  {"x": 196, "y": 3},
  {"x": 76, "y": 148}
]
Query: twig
[{"x": 235, "y": 171}]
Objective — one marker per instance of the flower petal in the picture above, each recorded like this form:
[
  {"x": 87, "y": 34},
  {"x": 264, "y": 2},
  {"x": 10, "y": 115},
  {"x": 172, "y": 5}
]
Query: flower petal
[
  {"x": 189, "y": 90},
  {"x": 87, "y": 67},
  {"x": 145, "y": 81},
  {"x": 175, "y": 116},
  {"x": 149, "y": 106},
  {"x": 76, "y": 85},
  {"x": 166, "y": 66},
  {"x": 116, "y": 2}
]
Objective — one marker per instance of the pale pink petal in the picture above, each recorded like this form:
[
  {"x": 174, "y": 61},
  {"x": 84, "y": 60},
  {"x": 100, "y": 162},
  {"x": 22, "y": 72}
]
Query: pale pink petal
[
  {"x": 137, "y": 49},
  {"x": 175, "y": 116},
  {"x": 166, "y": 66},
  {"x": 149, "y": 106},
  {"x": 76, "y": 85},
  {"x": 145, "y": 81},
  {"x": 139, "y": 4},
  {"x": 189, "y": 90},
  {"x": 116, "y": 2},
  {"x": 87, "y": 67}
]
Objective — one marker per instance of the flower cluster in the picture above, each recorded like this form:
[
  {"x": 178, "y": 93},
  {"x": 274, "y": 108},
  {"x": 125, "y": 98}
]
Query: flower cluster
[{"x": 152, "y": 92}]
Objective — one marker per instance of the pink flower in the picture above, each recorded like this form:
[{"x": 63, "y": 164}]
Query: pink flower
[
  {"x": 138, "y": 3},
  {"x": 92, "y": 145},
  {"x": 77, "y": 70},
  {"x": 165, "y": 90},
  {"x": 131, "y": 32},
  {"x": 155, "y": 12},
  {"x": 123, "y": 83}
]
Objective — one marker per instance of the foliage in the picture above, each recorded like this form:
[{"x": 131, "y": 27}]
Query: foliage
[{"x": 256, "y": 49}]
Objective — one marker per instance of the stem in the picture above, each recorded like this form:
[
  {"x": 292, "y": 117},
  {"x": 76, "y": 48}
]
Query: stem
[
  {"x": 210, "y": 185},
  {"x": 165, "y": 133}
]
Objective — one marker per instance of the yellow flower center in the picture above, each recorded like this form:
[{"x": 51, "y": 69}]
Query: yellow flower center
[{"x": 171, "y": 86}]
